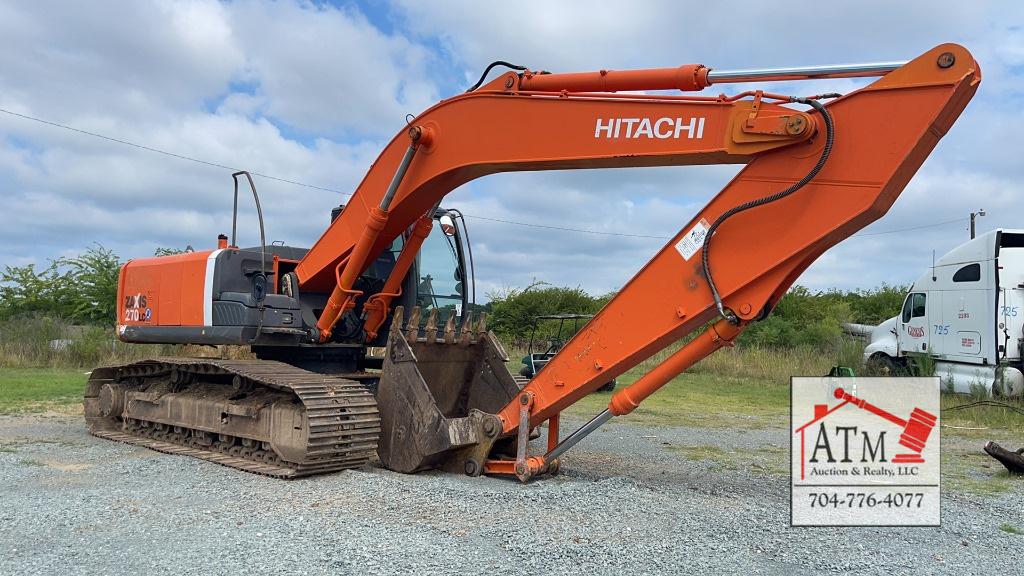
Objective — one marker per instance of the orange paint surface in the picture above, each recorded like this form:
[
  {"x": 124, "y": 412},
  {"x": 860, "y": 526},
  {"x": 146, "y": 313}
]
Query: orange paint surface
[{"x": 169, "y": 287}]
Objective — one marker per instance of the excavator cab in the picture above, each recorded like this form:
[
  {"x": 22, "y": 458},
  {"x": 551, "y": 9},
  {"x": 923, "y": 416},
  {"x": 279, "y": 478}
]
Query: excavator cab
[
  {"x": 441, "y": 271},
  {"x": 437, "y": 279}
]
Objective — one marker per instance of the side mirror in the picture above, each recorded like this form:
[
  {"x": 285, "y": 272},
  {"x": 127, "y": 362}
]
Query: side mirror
[
  {"x": 458, "y": 288},
  {"x": 447, "y": 225}
]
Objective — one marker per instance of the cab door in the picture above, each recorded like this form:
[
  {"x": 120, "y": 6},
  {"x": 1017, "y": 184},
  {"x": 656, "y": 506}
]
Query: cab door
[
  {"x": 914, "y": 330},
  {"x": 440, "y": 273}
]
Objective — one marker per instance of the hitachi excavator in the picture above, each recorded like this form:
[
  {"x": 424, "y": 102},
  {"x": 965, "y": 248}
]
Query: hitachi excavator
[{"x": 818, "y": 169}]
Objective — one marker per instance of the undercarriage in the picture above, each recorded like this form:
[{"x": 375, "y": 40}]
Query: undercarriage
[{"x": 260, "y": 416}]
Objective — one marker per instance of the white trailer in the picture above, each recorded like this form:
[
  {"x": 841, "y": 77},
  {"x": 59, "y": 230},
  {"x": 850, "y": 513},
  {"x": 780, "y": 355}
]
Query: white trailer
[{"x": 966, "y": 313}]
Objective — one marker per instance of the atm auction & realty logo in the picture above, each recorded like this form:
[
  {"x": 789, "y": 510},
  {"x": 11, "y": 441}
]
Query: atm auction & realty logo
[{"x": 865, "y": 451}]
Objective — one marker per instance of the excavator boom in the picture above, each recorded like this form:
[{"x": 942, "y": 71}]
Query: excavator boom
[{"x": 813, "y": 177}]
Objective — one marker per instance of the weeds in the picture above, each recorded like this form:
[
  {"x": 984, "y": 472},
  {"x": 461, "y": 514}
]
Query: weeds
[
  {"x": 768, "y": 365},
  {"x": 921, "y": 364},
  {"x": 1011, "y": 529},
  {"x": 983, "y": 417},
  {"x": 34, "y": 341}
]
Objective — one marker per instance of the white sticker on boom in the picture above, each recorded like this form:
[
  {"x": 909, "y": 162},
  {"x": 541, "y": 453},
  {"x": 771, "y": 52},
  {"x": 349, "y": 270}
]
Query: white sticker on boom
[{"x": 693, "y": 241}]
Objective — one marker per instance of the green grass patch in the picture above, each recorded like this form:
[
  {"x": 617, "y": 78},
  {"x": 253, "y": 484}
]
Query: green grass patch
[
  {"x": 39, "y": 389},
  {"x": 974, "y": 472},
  {"x": 1011, "y": 529},
  {"x": 705, "y": 400},
  {"x": 765, "y": 460},
  {"x": 982, "y": 421}
]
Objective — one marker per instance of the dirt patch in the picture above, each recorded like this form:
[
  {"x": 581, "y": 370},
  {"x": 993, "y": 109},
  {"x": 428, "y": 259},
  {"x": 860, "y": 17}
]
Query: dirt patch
[{"x": 67, "y": 466}]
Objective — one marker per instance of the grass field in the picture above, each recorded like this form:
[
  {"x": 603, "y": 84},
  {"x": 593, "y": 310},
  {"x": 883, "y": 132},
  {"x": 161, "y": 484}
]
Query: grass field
[
  {"x": 40, "y": 389},
  {"x": 701, "y": 399}
]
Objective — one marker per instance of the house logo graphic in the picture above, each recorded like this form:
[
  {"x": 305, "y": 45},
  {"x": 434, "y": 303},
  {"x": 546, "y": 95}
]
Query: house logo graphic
[{"x": 865, "y": 451}]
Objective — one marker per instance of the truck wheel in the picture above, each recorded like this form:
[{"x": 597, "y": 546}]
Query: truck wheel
[
  {"x": 881, "y": 365},
  {"x": 525, "y": 372},
  {"x": 607, "y": 386},
  {"x": 1009, "y": 383}
]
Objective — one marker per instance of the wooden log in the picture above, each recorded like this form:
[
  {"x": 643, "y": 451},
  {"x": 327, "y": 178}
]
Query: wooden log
[{"x": 1014, "y": 461}]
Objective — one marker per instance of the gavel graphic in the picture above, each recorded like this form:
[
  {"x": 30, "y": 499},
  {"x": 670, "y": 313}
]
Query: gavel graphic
[{"x": 916, "y": 429}]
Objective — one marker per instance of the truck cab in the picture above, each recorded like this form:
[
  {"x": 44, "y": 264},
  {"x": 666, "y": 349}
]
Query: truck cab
[{"x": 966, "y": 312}]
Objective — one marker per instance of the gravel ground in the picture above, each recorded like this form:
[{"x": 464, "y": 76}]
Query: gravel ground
[{"x": 628, "y": 501}]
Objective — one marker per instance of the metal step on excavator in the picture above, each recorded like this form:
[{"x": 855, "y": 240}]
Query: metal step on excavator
[{"x": 317, "y": 399}]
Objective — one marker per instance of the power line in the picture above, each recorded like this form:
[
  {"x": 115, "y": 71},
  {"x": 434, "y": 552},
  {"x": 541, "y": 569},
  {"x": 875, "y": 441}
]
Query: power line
[
  {"x": 531, "y": 225},
  {"x": 166, "y": 153},
  {"x": 315, "y": 187},
  {"x": 907, "y": 229}
]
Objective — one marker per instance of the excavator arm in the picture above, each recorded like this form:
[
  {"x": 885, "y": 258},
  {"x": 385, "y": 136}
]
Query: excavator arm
[{"x": 814, "y": 176}]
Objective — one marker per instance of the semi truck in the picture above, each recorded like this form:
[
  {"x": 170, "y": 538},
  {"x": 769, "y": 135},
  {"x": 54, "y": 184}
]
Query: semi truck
[{"x": 965, "y": 314}]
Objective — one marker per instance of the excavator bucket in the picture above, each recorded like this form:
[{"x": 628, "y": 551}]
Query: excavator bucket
[{"x": 439, "y": 393}]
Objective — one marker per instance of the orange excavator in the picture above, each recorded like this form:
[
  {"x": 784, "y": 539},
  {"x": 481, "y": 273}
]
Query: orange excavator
[{"x": 315, "y": 399}]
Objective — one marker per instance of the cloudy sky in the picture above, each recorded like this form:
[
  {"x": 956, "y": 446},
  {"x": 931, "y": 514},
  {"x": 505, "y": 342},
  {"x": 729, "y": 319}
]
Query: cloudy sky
[{"x": 310, "y": 92}]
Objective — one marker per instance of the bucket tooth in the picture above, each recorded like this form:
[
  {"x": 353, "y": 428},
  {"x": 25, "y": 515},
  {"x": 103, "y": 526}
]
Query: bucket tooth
[
  {"x": 431, "y": 328},
  {"x": 412, "y": 330},
  {"x": 481, "y": 328},
  {"x": 449, "y": 329},
  {"x": 438, "y": 404},
  {"x": 465, "y": 336},
  {"x": 397, "y": 318}
]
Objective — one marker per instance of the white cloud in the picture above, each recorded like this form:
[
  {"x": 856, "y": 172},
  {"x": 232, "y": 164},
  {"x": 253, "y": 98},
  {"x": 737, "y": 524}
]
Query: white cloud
[
  {"x": 138, "y": 61},
  {"x": 324, "y": 69},
  {"x": 161, "y": 74},
  {"x": 311, "y": 92}
]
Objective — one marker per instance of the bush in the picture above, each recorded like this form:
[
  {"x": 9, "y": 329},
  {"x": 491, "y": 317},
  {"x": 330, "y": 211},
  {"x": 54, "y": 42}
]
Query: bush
[
  {"x": 805, "y": 318},
  {"x": 514, "y": 311},
  {"x": 33, "y": 340},
  {"x": 82, "y": 289},
  {"x": 876, "y": 305},
  {"x": 802, "y": 318}
]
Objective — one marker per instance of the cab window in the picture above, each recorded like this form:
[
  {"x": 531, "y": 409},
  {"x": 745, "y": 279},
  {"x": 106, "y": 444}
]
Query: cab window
[
  {"x": 914, "y": 307},
  {"x": 439, "y": 275},
  {"x": 969, "y": 273}
]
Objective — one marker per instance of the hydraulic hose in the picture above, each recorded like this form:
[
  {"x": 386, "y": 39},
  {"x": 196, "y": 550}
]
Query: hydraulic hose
[
  {"x": 825, "y": 152},
  {"x": 490, "y": 67}
]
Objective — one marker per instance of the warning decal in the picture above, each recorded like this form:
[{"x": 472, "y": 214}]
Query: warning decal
[{"x": 693, "y": 241}]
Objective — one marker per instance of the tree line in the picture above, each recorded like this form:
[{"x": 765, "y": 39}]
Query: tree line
[
  {"x": 83, "y": 290},
  {"x": 802, "y": 318},
  {"x": 80, "y": 289}
]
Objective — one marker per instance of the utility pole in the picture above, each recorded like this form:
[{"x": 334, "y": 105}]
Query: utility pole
[{"x": 980, "y": 212}]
